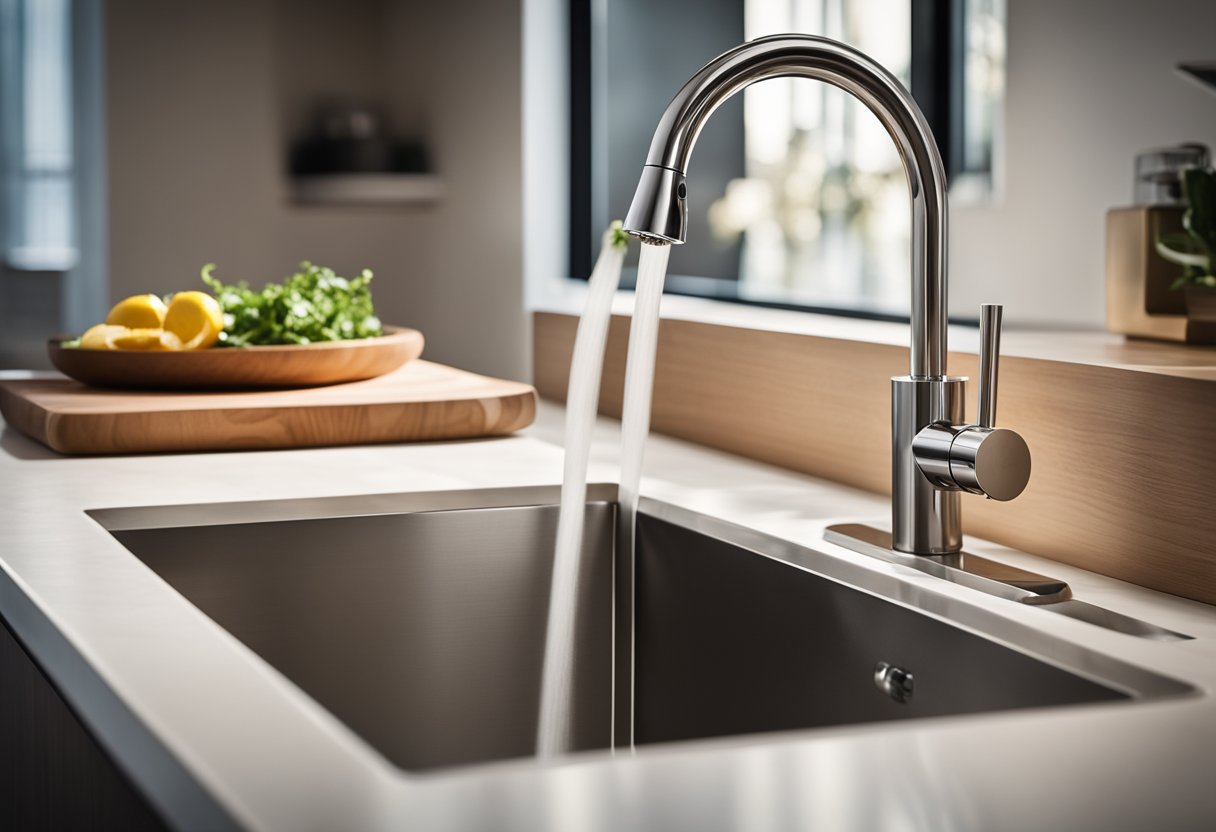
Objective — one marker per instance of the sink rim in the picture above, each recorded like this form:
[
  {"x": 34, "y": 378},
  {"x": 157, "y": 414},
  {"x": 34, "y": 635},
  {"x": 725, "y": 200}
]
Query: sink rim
[{"x": 170, "y": 516}]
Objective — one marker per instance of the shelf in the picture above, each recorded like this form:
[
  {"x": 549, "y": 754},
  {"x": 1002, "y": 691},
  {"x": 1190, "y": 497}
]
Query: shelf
[{"x": 367, "y": 189}]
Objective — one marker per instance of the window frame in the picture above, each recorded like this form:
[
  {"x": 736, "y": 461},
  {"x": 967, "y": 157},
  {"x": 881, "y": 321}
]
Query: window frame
[{"x": 17, "y": 170}]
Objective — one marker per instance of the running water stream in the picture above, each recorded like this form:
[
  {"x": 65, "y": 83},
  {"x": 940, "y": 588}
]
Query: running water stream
[
  {"x": 635, "y": 411},
  {"x": 582, "y": 398}
]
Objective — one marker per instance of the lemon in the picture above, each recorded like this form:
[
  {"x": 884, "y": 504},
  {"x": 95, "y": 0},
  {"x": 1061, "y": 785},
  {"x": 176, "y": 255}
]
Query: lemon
[
  {"x": 146, "y": 338},
  {"x": 101, "y": 337},
  {"x": 195, "y": 318},
  {"x": 192, "y": 321},
  {"x": 138, "y": 312}
]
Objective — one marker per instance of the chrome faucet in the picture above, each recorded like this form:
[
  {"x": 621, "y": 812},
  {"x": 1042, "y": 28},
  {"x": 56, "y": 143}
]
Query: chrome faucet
[{"x": 935, "y": 454}]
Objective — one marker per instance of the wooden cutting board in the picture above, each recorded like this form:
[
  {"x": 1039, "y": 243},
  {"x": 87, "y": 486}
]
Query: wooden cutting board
[{"x": 420, "y": 401}]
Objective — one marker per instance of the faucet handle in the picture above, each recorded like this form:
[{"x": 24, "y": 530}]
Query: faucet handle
[
  {"x": 994, "y": 462},
  {"x": 978, "y": 457},
  {"x": 985, "y": 459},
  {"x": 990, "y": 358}
]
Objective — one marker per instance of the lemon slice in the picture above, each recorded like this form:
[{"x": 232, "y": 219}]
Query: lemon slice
[
  {"x": 138, "y": 312},
  {"x": 146, "y": 338},
  {"x": 195, "y": 318},
  {"x": 101, "y": 337}
]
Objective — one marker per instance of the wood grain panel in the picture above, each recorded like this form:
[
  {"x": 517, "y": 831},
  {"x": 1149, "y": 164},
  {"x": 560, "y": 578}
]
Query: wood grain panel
[
  {"x": 1124, "y": 459},
  {"x": 420, "y": 401}
]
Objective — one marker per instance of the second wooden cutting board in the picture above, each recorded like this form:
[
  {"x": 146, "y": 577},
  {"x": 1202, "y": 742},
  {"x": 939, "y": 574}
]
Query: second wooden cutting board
[{"x": 420, "y": 401}]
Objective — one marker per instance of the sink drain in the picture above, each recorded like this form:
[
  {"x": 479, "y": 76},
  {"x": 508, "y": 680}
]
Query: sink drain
[{"x": 895, "y": 682}]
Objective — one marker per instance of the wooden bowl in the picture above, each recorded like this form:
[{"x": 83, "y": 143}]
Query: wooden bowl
[{"x": 237, "y": 368}]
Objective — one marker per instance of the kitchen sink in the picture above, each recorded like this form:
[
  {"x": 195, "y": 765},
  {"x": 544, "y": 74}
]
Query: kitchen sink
[{"x": 418, "y": 620}]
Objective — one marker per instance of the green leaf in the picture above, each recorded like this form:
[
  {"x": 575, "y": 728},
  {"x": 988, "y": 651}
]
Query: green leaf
[
  {"x": 314, "y": 304},
  {"x": 1182, "y": 241},
  {"x": 1183, "y": 249},
  {"x": 1199, "y": 185},
  {"x": 620, "y": 237},
  {"x": 1195, "y": 250}
]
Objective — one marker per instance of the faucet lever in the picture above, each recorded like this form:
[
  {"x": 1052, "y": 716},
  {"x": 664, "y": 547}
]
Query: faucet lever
[
  {"x": 983, "y": 458},
  {"x": 990, "y": 358},
  {"x": 978, "y": 457}
]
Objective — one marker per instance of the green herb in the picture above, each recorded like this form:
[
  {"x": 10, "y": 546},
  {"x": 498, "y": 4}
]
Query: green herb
[
  {"x": 314, "y": 304},
  {"x": 620, "y": 237},
  {"x": 1195, "y": 248}
]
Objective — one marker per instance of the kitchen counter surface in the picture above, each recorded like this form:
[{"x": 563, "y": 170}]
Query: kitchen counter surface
[{"x": 214, "y": 736}]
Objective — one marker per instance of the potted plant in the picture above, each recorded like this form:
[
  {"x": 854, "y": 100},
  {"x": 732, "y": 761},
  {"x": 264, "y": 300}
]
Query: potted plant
[{"x": 1195, "y": 248}]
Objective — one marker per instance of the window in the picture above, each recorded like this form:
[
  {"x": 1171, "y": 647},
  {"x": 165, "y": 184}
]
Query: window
[
  {"x": 36, "y": 144},
  {"x": 797, "y": 195}
]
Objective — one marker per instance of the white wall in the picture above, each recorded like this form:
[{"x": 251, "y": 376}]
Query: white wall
[
  {"x": 202, "y": 96},
  {"x": 1090, "y": 83}
]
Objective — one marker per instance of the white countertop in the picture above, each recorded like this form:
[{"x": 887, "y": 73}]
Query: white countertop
[{"x": 195, "y": 717}]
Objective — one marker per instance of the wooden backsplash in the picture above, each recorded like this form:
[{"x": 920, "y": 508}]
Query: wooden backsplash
[{"x": 1124, "y": 470}]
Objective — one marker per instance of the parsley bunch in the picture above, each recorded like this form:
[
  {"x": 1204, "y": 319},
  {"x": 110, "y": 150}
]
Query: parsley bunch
[{"x": 314, "y": 304}]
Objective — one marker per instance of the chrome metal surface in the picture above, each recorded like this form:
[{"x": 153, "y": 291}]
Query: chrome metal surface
[
  {"x": 963, "y": 568},
  {"x": 659, "y": 210},
  {"x": 925, "y": 511},
  {"x": 990, "y": 461},
  {"x": 806, "y": 56},
  {"x": 930, "y": 446},
  {"x": 978, "y": 458},
  {"x": 990, "y": 355},
  {"x": 995, "y": 578},
  {"x": 895, "y": 682},
  {"x": 421, "y": 627},
  {"x": 927, "y": 405}
]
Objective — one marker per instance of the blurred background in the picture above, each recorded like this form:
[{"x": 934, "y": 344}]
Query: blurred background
[
  {"x": 471, "y": 152},
  {"x": 178, "y": 120}
]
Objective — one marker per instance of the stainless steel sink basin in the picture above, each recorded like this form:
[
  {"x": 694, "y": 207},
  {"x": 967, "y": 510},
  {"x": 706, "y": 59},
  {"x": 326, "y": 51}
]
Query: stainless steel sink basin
[{"x": 419, "y": 621}]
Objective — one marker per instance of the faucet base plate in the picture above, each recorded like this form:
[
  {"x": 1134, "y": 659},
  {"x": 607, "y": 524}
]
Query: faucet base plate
[{"x": 995, "y": 578}]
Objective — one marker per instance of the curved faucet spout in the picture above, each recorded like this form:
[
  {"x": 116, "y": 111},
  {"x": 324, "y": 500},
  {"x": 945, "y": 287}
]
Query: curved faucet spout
[{"x": 659, "y": 210}]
